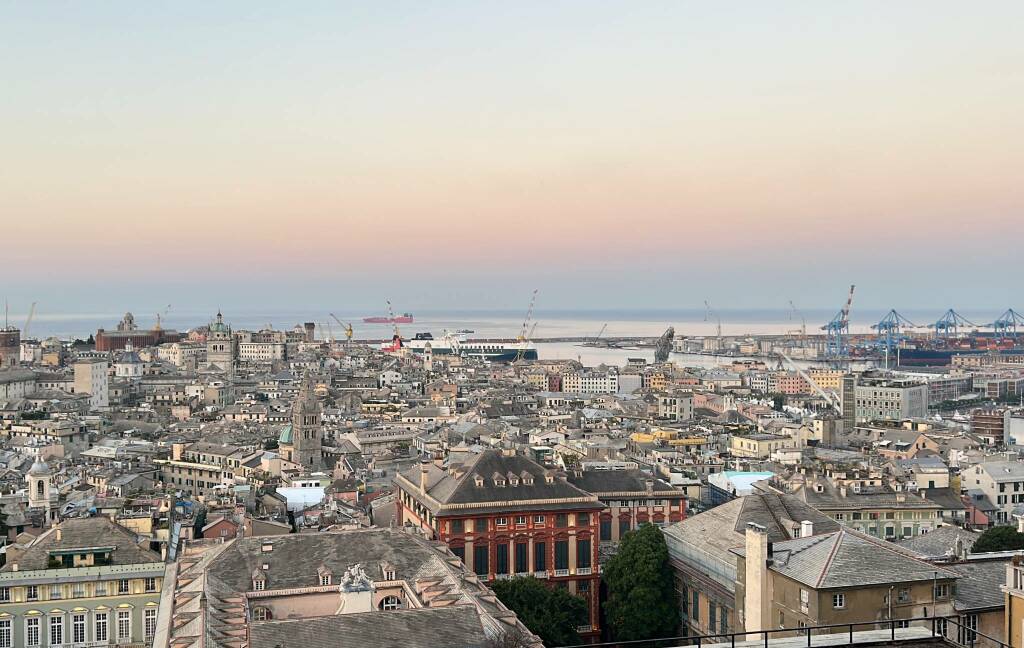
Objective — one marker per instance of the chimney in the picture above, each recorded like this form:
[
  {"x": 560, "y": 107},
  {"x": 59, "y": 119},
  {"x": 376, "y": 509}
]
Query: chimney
[
  {"x": 649, "y": 484},
  {"x": 1020, "y": 524},
  {"x": 60, "y": 534},
  {"x": 842, "y": 491},
  {"x": 806, "y": 529},
  {"x": 423, "y": 476},
  {"x": 14, "y": 566},
  {"x": 756, "y": 599}
]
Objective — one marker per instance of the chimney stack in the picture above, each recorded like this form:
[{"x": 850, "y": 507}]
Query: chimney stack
[
  {"x": 60, "y": 534},
  {"x": 806, "y": 529},
  {"x": 756, "y": 596},
  {"x": 650, "y": 486},
  {"x": 423, "y": 476}
]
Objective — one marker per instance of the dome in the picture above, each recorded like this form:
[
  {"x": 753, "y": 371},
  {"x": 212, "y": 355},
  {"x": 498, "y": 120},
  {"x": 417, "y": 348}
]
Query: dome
[{"x": 39, "y": 468}]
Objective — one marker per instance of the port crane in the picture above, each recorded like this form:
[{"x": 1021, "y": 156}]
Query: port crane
[
  {"x": 950, "y": 324},
  {"x": 1006, "y": 324},
  {"x": 708, "y": 313},
  {"x": 524, "y": 333},
  {"x": 837, "y": 331},
  {"x": 600, "y": 333},
  {"x": 28, "y": 321},
  {"x": 890, "y": 331},
  {"x": 803, "y": 322},
  {"x": 346, "y": 326}
]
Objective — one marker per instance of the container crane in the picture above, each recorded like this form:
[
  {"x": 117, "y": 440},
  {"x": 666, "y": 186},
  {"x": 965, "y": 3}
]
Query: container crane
[
  {"x": 1007, "y": 323},
  {"x": 890, "y": 331},
  {"x": 950, "y": 324},
  {"x": 600, "y": 333},
  {"x": 837, "y": 331}
]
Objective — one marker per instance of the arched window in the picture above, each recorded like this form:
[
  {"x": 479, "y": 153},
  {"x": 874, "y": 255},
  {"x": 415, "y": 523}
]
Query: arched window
[
  {"x": 389, "y": 603},
  {"x": 261, "y": 614},
  {"x": 40, "y": 488}
]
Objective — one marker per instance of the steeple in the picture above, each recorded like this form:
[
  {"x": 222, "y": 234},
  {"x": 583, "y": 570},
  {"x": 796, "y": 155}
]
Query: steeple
[{"x": 307, "y": 427}]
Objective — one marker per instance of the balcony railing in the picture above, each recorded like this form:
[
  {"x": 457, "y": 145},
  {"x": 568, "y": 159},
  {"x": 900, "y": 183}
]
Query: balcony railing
[
  {"x": 540, "y": 574},
  {"x": 561, "y": 572},
  {"x": 913, "y": 631},
  {"x": 584, "y": 571}
]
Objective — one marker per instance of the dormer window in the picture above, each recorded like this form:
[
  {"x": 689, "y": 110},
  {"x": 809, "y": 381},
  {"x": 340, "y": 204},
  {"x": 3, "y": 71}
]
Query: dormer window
[
  {"x": 259, "y": 584},
  {"x": 478, "y": 480},
  {"x": 513, "y": 481},
  {"x": 527, "y": 478},
  {"x": 324, "y": 575},
  {"x": 388, "y": 571},
  {"x": 549, "y": 479},
  {"x": 498, "y": 479}
]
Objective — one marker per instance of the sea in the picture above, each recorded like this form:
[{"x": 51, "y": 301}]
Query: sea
[{"x": 550, "y": 323}]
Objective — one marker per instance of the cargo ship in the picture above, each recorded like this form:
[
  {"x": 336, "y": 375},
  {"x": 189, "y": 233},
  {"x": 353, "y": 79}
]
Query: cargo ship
[
  {"x": 404, "y": 318},
  {"x": 494, "y": 351}
]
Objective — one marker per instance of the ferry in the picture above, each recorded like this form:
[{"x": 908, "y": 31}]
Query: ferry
[{"x": 448, "y": 344}]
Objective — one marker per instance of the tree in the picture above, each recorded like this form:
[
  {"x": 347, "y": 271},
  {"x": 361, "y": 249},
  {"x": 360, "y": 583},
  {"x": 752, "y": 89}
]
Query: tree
[
  {"x": 513, "y": 638},
  {"x": 551, "y": 613},
  {"x": 642, "y": 601},
  {"x": 1002, "y": 538},
  {"x": 778, "y": 400}
]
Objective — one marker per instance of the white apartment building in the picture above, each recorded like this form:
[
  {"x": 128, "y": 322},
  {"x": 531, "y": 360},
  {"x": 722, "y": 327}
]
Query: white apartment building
[
  {"x": 261, "y": 351},
  {"x": 91, "y": 377},
  {"x": 1001, "y": 481},
  {"x": 590, "y": 382},
  {"x": 890, "y": 399}
]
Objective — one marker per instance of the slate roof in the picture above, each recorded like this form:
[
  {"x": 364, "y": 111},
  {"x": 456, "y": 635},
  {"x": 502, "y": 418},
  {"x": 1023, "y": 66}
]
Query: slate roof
[
  {"x": 979, "y": 583},
  {"x": 941, "y": 542},
  {"x": 79, "y": 533},
  {"x": 463, "y": 489},
  {"x": 617, "y": 481},
  {"x": 848, "y": 558},
  {"x": 457, "y": 625}
]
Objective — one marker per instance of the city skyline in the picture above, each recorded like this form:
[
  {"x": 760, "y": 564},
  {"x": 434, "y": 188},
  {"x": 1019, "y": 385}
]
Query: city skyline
[{"x": 228, "y": 154}]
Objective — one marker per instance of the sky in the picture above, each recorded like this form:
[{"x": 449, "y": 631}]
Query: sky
[{"x": 460, "y": 154}]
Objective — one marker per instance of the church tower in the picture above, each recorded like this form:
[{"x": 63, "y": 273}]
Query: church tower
[
  {"x": 39, "y": 490},
  {"x": 221, "y": 349},
  {"x": 307, "y": 429}
]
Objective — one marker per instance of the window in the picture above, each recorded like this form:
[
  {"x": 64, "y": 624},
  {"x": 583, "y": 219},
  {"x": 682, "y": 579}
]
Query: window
[
  {"x": 150, "y": 584},
  {"x": 941, "y": 590},
  {"x": 480, "y": 558},
  {"x": 480, "y": 525},
  {"x": 261, "y": 614},
  {"x": 520, "y": 520},
  {"x": 325, "y": 579},
  {"x": 522, "y": 558},
  {"x": 623, "y": 527},
  {"x": 561, "y": 520},
  {"x": 539, "y": 557},
  {"x": 805, "y": 598},
  {"x": 149, "y": 623},
  {"x": 561, "y": 555},
  {"x": 100, "y": 627},
  {"x": 56, "y": 591},
  {"x": 501, "y": 559},
  {"x": 501, "y": 522},
  {"x": 32, "y": 633},
  {"x": 78, "y": 590},
  {"x": 583, "y": 519},
  {"x": 389, "y": 603},
  {"x": 838, "y": 601},
  {"x": 5, "y": 633},
  {"x": 56, "y": 630},
  {"x": 124, "y": 625},
  {"x": 123, "y": 586},
  {"x": 695, "y": 607},
  {"x": 583, "y": 554},
  {"x": 538, "y": 520},
  {"x": 456, "y": 526},
  {"x": 903, "y": 596},
  {"x": 606, "y": 530},
  {"x": 712, "y": 626},
  {"x": 460, "y": 553},
  {"x": 723, "y": 623},
  {"x": 78, "y": 628}
]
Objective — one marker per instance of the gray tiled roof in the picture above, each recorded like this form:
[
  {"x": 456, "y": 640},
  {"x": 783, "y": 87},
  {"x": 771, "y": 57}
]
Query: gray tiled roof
[
  {"x": 457, "y": 626},
  {"x": 941, "y": 542},
  {"x": 79, "y": 533},
  {"x": 848, "y": 558},
  {"x": 978, "y": 586},
  {"x": 617, "y": 481}
]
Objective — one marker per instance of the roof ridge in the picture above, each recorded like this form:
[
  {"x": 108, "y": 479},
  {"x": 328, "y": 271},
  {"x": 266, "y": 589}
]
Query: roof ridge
[{"x": 839, "y": 536}]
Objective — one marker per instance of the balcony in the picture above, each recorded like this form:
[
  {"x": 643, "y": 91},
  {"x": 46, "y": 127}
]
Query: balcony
[
  {"x": 540, "y": 574},
  {"x": 584, "y": 571},
  {"x": 561, "y": 572}
]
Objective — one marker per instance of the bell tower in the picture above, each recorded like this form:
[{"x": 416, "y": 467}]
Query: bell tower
[
  {"x": 38, "y": 479},
  {"x": 307, "y": 428}
]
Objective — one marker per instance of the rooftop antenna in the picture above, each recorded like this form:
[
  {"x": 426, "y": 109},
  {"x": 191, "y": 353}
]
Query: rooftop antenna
[{"x": 7, "y": 308}]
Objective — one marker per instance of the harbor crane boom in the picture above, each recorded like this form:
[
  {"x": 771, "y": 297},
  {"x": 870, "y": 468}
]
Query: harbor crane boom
[
  {"x": 1007, "y": 323},
  {"x": 830, "y": 398},
  {"x": 346, "y": 326},
  {"x": 837, "y": 331},
  {"x": 28, "y": 321}
]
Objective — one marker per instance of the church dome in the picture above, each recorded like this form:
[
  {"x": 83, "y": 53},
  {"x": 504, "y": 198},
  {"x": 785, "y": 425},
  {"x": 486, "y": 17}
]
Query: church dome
[{"x": 39, "y": 468}]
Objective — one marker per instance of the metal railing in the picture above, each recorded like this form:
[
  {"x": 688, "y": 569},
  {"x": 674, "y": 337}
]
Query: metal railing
[{"x": 938, "y": 628}]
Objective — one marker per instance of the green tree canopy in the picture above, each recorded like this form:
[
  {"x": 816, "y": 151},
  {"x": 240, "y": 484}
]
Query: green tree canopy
[
  {"x": 642, "y": 601},
  {"x": 551, "y": 613},
  {"x": 1001, "y": 538}
]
